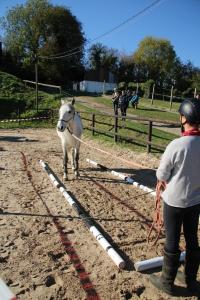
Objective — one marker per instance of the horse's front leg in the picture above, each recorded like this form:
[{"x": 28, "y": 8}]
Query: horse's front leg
[
  {"x": 76, "y": 162},
  {"x": 65, "y": 161}
]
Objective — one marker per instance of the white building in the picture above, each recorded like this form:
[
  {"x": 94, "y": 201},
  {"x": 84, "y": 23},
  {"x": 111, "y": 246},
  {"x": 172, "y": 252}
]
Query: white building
[{"x": 96, "y": 86}]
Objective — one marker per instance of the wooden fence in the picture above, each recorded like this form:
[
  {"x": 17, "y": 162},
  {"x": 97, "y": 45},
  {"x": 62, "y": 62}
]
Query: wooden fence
[
  {"x": 114, "y": 132},
  {"x": 116, "y": 127},
  {"x": 43, "y": 84}
]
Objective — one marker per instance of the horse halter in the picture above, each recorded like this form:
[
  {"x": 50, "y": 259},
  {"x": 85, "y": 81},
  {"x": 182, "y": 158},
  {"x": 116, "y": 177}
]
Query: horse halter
[
  {"x": 67, "y": 120},
  {"x": 62, "y": 120}
]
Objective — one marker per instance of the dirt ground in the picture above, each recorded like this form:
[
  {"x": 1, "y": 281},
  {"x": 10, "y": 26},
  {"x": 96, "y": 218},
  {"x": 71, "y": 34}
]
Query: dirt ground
[{"x": 46, "y": 252}]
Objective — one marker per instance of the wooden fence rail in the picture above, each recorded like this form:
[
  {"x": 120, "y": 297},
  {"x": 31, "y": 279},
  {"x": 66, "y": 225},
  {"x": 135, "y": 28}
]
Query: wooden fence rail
[
  {"x": 115, "y": 134},
  {"x": 51, "y": 114}
]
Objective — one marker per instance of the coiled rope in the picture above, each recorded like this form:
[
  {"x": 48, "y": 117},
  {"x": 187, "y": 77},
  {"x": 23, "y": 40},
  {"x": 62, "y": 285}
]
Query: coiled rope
[{"x": 157, "y": 223}]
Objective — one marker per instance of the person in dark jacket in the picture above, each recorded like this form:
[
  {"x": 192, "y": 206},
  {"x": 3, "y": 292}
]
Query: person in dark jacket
[
  {"x": 115, "y": 101},
  {"x": 128, "y": 98},
  {"x": 123, "y": 104},
  {"x": 179, "y": 181}
]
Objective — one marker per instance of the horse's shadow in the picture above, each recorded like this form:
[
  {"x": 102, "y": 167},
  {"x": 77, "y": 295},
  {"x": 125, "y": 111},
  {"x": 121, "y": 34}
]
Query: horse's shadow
[
  {"x": 145, "y": 177},
  {"x": 99, "y": 179}
]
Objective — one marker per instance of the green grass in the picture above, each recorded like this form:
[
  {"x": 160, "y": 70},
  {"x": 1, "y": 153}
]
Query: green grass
[
  {"x": 154, "y": 113},
  {"x": 14, "y": 94},
  {"x": 161, "y": 104},
  {"x": 10, "y": 84}
]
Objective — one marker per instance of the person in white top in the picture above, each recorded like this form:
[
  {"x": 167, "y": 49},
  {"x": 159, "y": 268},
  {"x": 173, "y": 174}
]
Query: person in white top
[{"x": 179, "y": 182}]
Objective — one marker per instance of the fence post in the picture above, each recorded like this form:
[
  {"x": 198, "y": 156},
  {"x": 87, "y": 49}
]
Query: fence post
[
  {"x": 93, "y": 123},
  {"x": 116, "y": 129},
  {"x": 36, "y": 82},
  {"x": 149, "y": 136},
  {"x": 152, "y": 96},
  {"x": 195, "y": 92},
  {"x": 19, "y": 116}
]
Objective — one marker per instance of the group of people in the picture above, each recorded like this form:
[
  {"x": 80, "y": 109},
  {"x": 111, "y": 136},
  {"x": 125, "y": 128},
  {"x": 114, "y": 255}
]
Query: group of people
[{"x": 121, "y": 100}]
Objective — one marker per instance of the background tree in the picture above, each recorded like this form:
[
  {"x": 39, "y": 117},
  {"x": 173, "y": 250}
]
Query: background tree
[
  {"x": 130, "y": 71},
  {"x": 96, "y": 53},
  {"x": 63, "y": 34},
  {"x": 157, "y": 56},
  {"x": 102, "y": 57},
  {"x": 126, "y": 69},
  {"x": 38, "y": 28}
]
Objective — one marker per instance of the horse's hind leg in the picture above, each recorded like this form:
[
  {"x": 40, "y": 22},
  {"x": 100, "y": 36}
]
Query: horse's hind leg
[
  {"x": 76, "y": 162},
  {"x": 65, "y": 161},
  {"x": 73, "y": 159}
]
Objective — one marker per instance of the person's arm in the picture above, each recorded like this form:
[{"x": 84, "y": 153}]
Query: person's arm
[
  {"x": 114, "y": 98},
  {"x": 166, "y": 164}
]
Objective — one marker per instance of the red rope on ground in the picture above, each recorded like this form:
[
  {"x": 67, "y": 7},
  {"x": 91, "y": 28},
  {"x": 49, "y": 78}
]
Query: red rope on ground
[{"x": 74, "y": 258}]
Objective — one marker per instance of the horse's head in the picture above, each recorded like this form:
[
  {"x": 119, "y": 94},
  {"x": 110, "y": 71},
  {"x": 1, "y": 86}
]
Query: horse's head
[{"x": 66, "y": 114}]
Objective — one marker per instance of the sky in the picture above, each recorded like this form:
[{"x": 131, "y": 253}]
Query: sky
[{"x": 174, "y": 20}]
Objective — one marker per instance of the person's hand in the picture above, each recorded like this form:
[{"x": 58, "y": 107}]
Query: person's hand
[{"x": 161, "y": 186}]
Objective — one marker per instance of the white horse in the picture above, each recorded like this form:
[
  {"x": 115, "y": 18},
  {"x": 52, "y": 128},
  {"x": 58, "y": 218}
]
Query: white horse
[{"x": 69, "y": 124}]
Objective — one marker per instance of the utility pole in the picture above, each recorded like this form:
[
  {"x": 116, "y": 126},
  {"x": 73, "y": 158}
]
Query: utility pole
[
  {"x": 171, "y": 97},
  {"x": 104, "y": 87},
  {"x": 137, "y": 88},
  {"x": 0, "y": 51},
  {"x": 36, "y": 82}
]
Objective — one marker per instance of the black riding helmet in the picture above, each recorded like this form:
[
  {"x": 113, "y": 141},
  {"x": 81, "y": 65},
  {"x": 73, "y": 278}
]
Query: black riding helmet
[{"x": 190, "y": 109}]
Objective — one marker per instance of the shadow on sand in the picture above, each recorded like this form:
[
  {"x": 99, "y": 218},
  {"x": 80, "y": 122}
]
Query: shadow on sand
[
  {"x": 15, "y": 139},
  {"x": 145, "y": 177}
]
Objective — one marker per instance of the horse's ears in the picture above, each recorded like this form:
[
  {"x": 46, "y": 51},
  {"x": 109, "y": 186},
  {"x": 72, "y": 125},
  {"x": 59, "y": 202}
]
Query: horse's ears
[{"x": 73, "y": 101}]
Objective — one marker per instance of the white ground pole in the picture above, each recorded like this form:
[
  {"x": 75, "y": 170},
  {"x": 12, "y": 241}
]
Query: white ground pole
[
  {"x": 5, "y": 292},
  {"x": 128, "y": 179},
  {"x": 117, "y": 259},
  {"x": 153, "y": 262}
]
